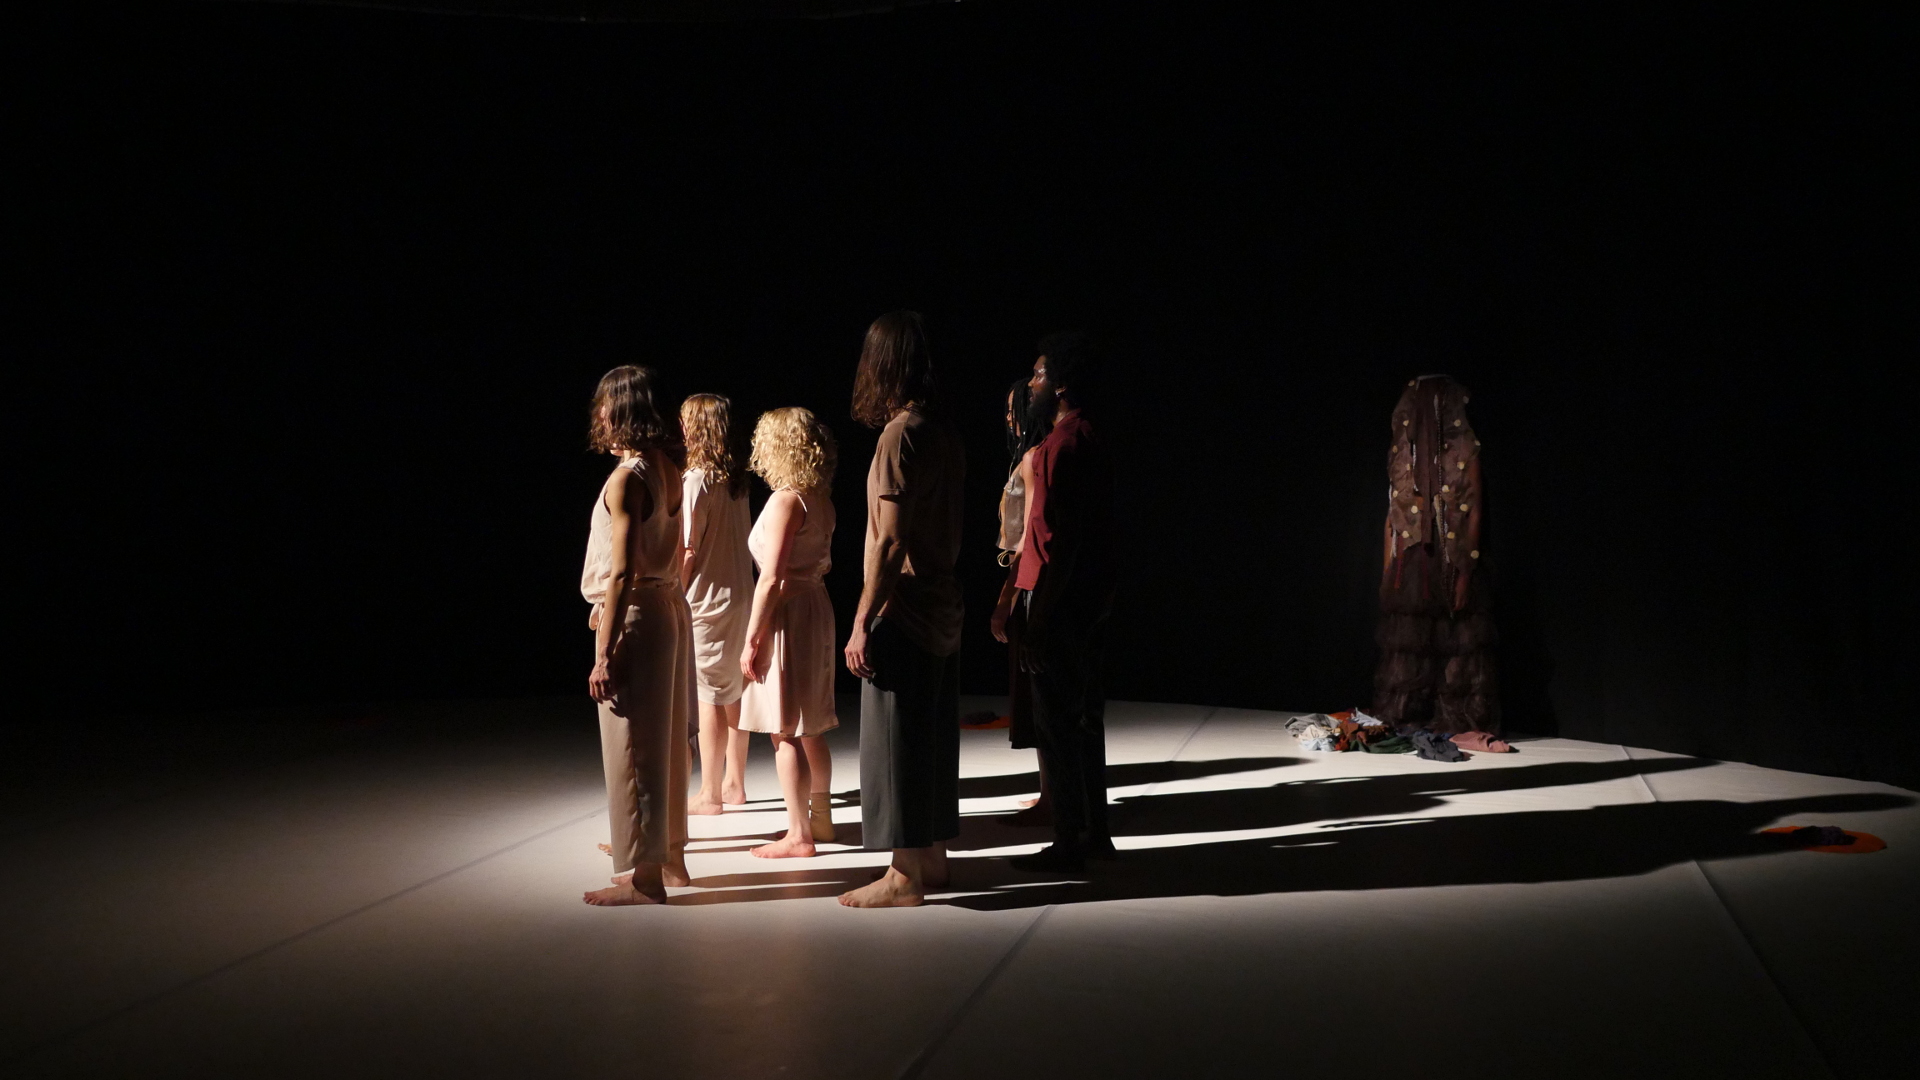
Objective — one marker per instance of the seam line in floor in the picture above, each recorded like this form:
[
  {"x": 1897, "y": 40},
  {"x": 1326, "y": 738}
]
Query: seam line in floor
[
  {"x": 1746, "y": 939},
  {"x": 925, "y": 1057},
  {"x": 1182, "y": 748},
  {"x": 194, "y": 980}
]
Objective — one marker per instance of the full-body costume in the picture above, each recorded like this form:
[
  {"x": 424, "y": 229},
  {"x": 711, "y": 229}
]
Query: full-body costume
[{"x": 1436, "y": 631}]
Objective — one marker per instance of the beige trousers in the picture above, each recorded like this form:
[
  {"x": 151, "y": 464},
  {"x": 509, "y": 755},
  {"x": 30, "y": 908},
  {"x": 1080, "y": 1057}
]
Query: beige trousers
[{"x": 643, "y": 731}]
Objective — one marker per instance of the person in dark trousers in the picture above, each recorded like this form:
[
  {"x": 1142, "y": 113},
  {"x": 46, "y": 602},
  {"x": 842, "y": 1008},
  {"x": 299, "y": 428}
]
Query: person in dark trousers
[
  {"x": 905, "y": 642},
  {"x": 1066, "y": 574}
]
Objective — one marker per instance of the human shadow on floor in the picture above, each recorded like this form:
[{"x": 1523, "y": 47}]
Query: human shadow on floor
[
  {"x": 1400, "y": 795},
  {"x": 1527, "y": 846},
  {"x": 1331, "y": 798},
  {"x": 1132, "y": 774},
  {"x": 800, "y": 883}
]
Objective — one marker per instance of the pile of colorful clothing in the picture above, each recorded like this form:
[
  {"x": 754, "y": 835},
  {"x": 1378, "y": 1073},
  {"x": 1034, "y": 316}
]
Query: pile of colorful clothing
[{"x": 1355, "y": 730}]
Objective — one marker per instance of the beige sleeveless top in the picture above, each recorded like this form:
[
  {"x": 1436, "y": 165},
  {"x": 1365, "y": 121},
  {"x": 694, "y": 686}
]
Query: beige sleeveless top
[
  {"x": 654, "y": 544},
  {"x": 810, "y": 555}
]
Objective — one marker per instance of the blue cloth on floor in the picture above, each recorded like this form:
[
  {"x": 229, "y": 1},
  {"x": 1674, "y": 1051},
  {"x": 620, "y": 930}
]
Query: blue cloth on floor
[{"x": 1432, "y": 746}]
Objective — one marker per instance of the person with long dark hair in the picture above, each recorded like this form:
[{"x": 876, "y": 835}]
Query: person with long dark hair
[
  {"x": 905, "y": 643},
  {"x": 717, "y": 571},
  {"x": 642, "y": 674},
  {"x": 1026, "y": 428},
  {"x": 1066, "y": 574}
]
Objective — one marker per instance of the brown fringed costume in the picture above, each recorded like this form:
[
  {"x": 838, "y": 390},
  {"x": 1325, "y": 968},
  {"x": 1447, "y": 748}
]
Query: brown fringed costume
[{"x": 1436, "y": 635}]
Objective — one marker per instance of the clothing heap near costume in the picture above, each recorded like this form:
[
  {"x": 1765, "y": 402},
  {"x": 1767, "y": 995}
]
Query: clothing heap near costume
[
  {"x": 643, "y": 730},
  {"x": 1436, "y": 669},
  {"x": 910, "y": 708},
  {"x": 796, "y": 698},
  {"x": 720, "y": 582}
]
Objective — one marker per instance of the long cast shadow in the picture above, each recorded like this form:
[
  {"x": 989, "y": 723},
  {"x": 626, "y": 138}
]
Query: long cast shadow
[
  {"x": 1299, "y": 802},
  {"x": 1406, "y": 853},
  {"x": 1398, "y": 849}
]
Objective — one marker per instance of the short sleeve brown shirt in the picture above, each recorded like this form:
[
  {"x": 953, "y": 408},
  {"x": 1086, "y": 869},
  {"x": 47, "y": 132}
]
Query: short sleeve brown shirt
[{"x": 920, "y": 465}]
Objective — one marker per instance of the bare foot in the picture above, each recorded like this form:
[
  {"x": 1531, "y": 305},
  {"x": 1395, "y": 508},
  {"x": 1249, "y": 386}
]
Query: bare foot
[
  {"x": 623, "y": 895},
  {"x": 605, "y": 849},
  {"x": 674, "y": 874},
  {"x": 1035, "y": 816},
  {"x": 1024, "y": 803},
  {"x": 703, "y": 808},
  {"x": 787, "y": 847},
  {"x": 734, "y": 796},
  {"x": 892, "y": 890}
]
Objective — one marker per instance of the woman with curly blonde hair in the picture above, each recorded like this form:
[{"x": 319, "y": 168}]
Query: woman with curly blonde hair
[
  {"x": 788, "y": 657},
  {"x": 718, "y": 574}
]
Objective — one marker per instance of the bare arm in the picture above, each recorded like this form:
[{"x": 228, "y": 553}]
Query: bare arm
[
  {"x": 1003, "y": 607},
  {"x": 784, "y": 515},
  {"x": 884, "y": 558},
  {"x": 627, "y": 502},
  {"x": 692, "y": 529}
]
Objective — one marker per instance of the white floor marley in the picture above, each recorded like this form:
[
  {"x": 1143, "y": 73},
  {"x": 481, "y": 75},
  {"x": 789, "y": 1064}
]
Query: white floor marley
[{"x": 398, "y": 895}]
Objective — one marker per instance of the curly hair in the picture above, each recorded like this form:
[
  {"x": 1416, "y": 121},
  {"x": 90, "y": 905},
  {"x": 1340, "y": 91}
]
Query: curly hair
[
  {"x": 896, "y": 368},
  {"x": 791, "y": 449},
  {"x": 706, "y": 420},
  {"x": 623, "y": 415}
]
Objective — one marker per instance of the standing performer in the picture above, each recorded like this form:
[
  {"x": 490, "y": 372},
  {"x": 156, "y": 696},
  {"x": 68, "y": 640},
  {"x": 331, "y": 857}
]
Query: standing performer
[
  {"x": 1027, "y": 428},
  {"x": 1436, "y": 632},
  {"x": 788, "y": 657},
  {"x": 643, "y": 660},
  {"x": 718, "y": 573},
  {"x": 1067, "y": 572},
  {"x": 906, "y": 634}
]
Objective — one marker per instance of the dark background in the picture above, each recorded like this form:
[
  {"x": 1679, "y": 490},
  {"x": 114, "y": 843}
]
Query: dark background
[{"x": 307, "y": 303}]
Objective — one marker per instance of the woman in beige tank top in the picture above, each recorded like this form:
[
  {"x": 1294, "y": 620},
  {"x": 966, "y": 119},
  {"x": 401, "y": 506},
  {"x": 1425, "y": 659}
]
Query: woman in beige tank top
[
  {"x": 789, "y": 656},
  {"x": 643, "y": 646}
]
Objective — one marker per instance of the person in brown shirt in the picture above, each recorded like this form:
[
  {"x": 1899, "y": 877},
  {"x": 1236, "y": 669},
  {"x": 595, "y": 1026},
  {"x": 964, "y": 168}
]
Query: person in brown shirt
[{"x": 905, "y": 643}]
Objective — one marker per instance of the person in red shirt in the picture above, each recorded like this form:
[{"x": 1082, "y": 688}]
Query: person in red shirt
[{"x": 1065, "y": 577}]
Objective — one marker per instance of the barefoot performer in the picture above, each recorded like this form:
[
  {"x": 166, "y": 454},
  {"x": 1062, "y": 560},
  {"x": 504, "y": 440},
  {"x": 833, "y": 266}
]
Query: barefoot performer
[
  {"x": 788, "y": 656},
  {"x": 906, "y": 635},
  {"x": 718, "y": 573},
  {"x": 643, "y": 656},
  {"x": 1029, "y": 421}
]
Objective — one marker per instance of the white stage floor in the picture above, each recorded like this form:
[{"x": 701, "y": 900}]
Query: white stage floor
[{"x": 401, "y": 898}]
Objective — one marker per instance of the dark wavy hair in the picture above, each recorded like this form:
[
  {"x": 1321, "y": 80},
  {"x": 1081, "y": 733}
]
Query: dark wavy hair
[
  {"x": 1074, "y": 362},
  {"x": 1024, "y": 429},
  {"x": 624, "y": 416},
  {"x": 896, "y": 368}
]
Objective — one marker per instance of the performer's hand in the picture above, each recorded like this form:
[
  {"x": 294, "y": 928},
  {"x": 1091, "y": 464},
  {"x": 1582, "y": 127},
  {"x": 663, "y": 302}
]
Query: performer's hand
[
  {"x": 998, "y": 623},
  {"x": 857, "y": 653},
  {"x": 754, "y": 661},
  {"x": 600, "y": 683}
]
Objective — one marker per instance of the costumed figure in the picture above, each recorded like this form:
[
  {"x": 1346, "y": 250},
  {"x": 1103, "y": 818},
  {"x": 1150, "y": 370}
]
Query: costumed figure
[{"x": 1436, "y": 633}]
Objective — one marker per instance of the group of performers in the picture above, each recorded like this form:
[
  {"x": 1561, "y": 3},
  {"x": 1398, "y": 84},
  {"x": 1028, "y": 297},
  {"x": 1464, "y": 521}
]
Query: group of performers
[{"x": 668, "y": 575}]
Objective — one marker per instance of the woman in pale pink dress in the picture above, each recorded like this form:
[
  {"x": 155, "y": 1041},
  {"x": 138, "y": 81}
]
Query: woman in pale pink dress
[{"x": 789, "y": 655}]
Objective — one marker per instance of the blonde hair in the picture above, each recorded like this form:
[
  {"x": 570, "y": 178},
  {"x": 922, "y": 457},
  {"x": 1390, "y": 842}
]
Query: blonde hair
[
  {"x": 706, "y": 422},
  {"x": 791, "y": 449}
]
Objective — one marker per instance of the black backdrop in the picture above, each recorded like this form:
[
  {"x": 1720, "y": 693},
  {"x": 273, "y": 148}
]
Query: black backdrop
[{"x": 308, "y": 302}]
